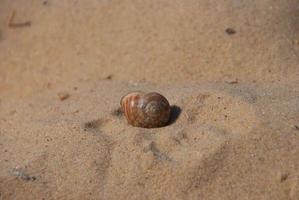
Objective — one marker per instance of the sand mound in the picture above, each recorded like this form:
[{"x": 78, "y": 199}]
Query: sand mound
[{"x": 70, "y": 146}]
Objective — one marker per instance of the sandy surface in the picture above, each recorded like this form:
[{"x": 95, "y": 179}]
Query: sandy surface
[{"x": 235, "y": 136}]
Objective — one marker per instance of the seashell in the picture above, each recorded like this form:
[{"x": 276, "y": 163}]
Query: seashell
[{"x": 147, "y": 110}]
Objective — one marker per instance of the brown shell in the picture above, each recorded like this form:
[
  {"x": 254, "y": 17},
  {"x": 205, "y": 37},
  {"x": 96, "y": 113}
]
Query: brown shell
[{"x": 146, "y": 110}]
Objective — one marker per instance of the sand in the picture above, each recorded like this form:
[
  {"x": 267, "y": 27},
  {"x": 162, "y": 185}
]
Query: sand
[{"x": 229, "y": 68}]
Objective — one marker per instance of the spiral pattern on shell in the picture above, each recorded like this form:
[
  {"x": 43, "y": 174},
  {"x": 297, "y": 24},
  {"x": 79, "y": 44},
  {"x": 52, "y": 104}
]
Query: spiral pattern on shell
[{"x": 147, "y": 110}]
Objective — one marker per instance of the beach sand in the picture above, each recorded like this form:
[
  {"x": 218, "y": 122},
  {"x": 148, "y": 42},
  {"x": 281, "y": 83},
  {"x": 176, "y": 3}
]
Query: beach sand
[{"x": 229, "y": 68}]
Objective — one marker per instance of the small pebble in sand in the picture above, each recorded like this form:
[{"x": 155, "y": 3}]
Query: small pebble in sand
[
  {"x": 63, "y": 96},
  {"x": 109, "y": 77},
  {"x": 284, "y": 177},
  {"x": 233, "y": 81},
  {"x": 230, "y": 31},
  {"x": 93, "y": 124},
  {"x": 20, "y": 172}
]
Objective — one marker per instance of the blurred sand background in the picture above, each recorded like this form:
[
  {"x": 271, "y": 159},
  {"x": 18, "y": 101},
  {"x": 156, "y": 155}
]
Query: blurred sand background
[{"x": 236, "y": 137}]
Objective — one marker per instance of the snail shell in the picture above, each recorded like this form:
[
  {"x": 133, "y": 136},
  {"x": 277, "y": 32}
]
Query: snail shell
[{"x": 147, "y": 110}]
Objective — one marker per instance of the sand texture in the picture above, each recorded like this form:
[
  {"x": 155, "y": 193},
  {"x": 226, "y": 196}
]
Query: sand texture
[{"x": 229, "y": 68}]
